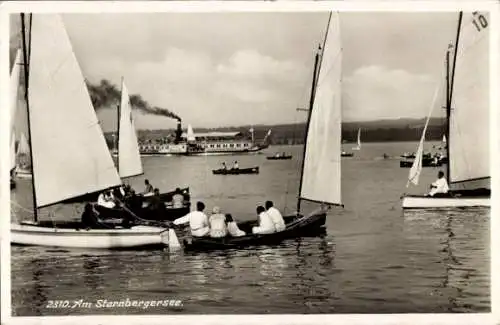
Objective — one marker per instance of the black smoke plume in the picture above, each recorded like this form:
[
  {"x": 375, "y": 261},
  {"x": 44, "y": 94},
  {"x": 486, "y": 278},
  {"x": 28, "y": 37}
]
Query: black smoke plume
[{"x": 106, "y": 94}]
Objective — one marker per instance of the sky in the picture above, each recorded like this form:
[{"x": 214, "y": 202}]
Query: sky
[{"x": 227, "y": 69}]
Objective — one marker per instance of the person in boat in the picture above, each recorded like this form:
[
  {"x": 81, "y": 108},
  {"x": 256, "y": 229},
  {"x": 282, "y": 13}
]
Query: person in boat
[
  {"x": 198, "y": 221},
  {"x": 217, "y": 221},
  {"x": 266, "y": 225},
  {"x": 105, "y": 200},
  {"x": 236, "y": 166},
  {"x": 148, "y": 190},
  {"x": 276, "y": 217},
  {"x": 232, "y": 227},
  {"x": 224, "y": 167},
  {"x": 90, "y": 219},
  {"x": 439, "y": 187},
  {"x": 134, "y": 202},
  {"x": 156, "y": 205},
  {"x": 177, "y": 199}
]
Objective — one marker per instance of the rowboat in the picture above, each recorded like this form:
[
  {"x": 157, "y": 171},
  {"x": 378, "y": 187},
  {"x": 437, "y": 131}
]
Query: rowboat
[{"x": 236, "y": 171}]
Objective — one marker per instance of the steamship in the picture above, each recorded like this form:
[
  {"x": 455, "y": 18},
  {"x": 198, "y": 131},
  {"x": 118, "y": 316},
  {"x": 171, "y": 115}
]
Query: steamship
[{"x": 210, "y": 143}]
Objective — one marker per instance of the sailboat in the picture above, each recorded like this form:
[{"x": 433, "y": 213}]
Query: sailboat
[
  {"x": 14, "y": 84},
  {"x": 23, "y": 160},
  {"x": 130, "y": 163},
  {"x": 59, "y": 108},
  {"x": 467, "y": 100},
  {"x": 358, "y": 147},
  {"x": 320, "y": 179}
]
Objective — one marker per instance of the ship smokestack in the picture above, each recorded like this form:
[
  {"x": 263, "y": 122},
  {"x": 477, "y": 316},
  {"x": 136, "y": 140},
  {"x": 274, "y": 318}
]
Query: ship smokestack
[{"x": 178, "y": 132}]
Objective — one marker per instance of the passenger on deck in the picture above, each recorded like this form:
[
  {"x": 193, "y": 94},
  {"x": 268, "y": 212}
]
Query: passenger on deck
[
  {"x": 157, "y": 206},
  {"x": 217, "y": 223},
  {"x": 236, "y": 166},
  {"x": 105, "y": 200},
  {"x": 266, "y": 225},
  {"x": 148, "y": 190},
  {"x": 198, "y": 221},
  {"x": 276, "y": 217},
  {"x": 90, "y": 219},
  {"x": 439, "y": 187},
  {"x": 134, "y": 202},
  {"x": 232, "y": 227},
  {"x": 177, "y": 199}
]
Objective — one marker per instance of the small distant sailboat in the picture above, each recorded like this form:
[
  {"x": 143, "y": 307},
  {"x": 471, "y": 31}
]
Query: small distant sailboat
[
  {"x": 23, "y": 159},
  {"x": 467, "y": 99},
  {"x": 55, "y": 87},
  {"x": 14, "y": 90},
  {"x": 358, "y": 147}
]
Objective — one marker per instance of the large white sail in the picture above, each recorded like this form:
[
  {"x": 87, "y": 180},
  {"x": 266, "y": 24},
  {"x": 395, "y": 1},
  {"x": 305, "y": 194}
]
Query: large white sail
[
  {"x": 129, "y": 158},
  {"x": 321, "y": 175},
  {"x": 469, "y": 122},
  {"x": 14, "y": 91},
  {"x": 13, "y": 151},
  {"x": 69, "y": 150}
]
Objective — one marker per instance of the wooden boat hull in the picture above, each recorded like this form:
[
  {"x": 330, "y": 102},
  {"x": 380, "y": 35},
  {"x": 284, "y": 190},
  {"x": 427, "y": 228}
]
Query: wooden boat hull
[
  {"x": 279, "y": 158},
  {"x": 67, "y": 237},
  {"x": 170, "y": 213},
  {"x": 425, "y": 202},
  {"x": 295, "y": 227},
  {"x": 253, "y": 170},
  {"x": 347, "y": 154},
  {"x": 25, "y": 174},
  {"x": 407, "y": 163}
]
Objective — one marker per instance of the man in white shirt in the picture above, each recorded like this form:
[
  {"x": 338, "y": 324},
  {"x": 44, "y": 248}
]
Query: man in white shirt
[
  {"x": 266, "y": 225},
  {"x": 440, "y": 186},
  {"x": 198, "y": 221},
  {"x": 105, "y": 200},
  {"x": 276, "y": 217}
]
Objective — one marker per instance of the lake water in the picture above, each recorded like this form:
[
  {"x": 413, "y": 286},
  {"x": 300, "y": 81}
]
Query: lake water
[{"x": 374, "y": 258}]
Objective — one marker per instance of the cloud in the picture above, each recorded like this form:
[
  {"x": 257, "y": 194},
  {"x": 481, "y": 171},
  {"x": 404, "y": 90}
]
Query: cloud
[
  {"x": 377, "y": 92},
  {"x": 247, "y": 88}
]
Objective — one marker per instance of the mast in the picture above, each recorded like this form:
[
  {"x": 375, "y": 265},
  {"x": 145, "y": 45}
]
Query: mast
[
  {"x": 118, "y": 111},
  {"x": 450, "y": 95},
  {"x": 317, "y": 65},
  {"x": 26, "y": 55}
]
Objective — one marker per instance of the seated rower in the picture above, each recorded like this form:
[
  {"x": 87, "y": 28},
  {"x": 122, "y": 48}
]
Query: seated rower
[
  {"x": 439, "y": 187},
  {"x": 105, "y": 200},
  {"x": 148, "y": 190},
  {"x": 266, "y": 225},
  {"x": 177, "y": 199},
  {"x": 224, "y": 167},
  {"x": 276, "y": 217},
  {"x": 90, "y": 218},
  {"x": 232, "y": 227},
  {"x": 236, "y": 166},
  {"x": 198, "y": 221},
  {"x": 217, "y": 223}
]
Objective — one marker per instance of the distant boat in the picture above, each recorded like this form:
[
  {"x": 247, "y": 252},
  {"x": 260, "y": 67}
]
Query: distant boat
[
  {"x": 23, "y": 157},
  {"x": 468, "y": 151},
  {"x": 14, "y": 90},
  {"x": 236, "y": 171},
  {"x": 279, "y": 156},
  {"x": 358, "y": 147},
  {"x": 320, "y": 179},
  {"x": 56, "y": 88},
  {"x": 346, "y": 154}
]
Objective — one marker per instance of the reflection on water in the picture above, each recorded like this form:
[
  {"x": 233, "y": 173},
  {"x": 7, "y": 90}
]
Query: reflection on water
[{"x": 373, "y": 259}]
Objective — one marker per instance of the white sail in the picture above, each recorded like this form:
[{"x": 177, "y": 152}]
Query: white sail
[
  {"x": 24, "y": 147},
  {"x": 469, "y": 122},
  {"x": 444, "y": 139},
  {"x": 359, "y": 138},
  {"x": 12, "y": 151},
  {"x": 321, "y": 175},
  {"x": 70, "y": 153},
  {"x": 129, "y": 158},
  {"x": 416, "y": 168},
  {"x": 190, "y": 133},
  {"x": 14, "y": 88}
]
